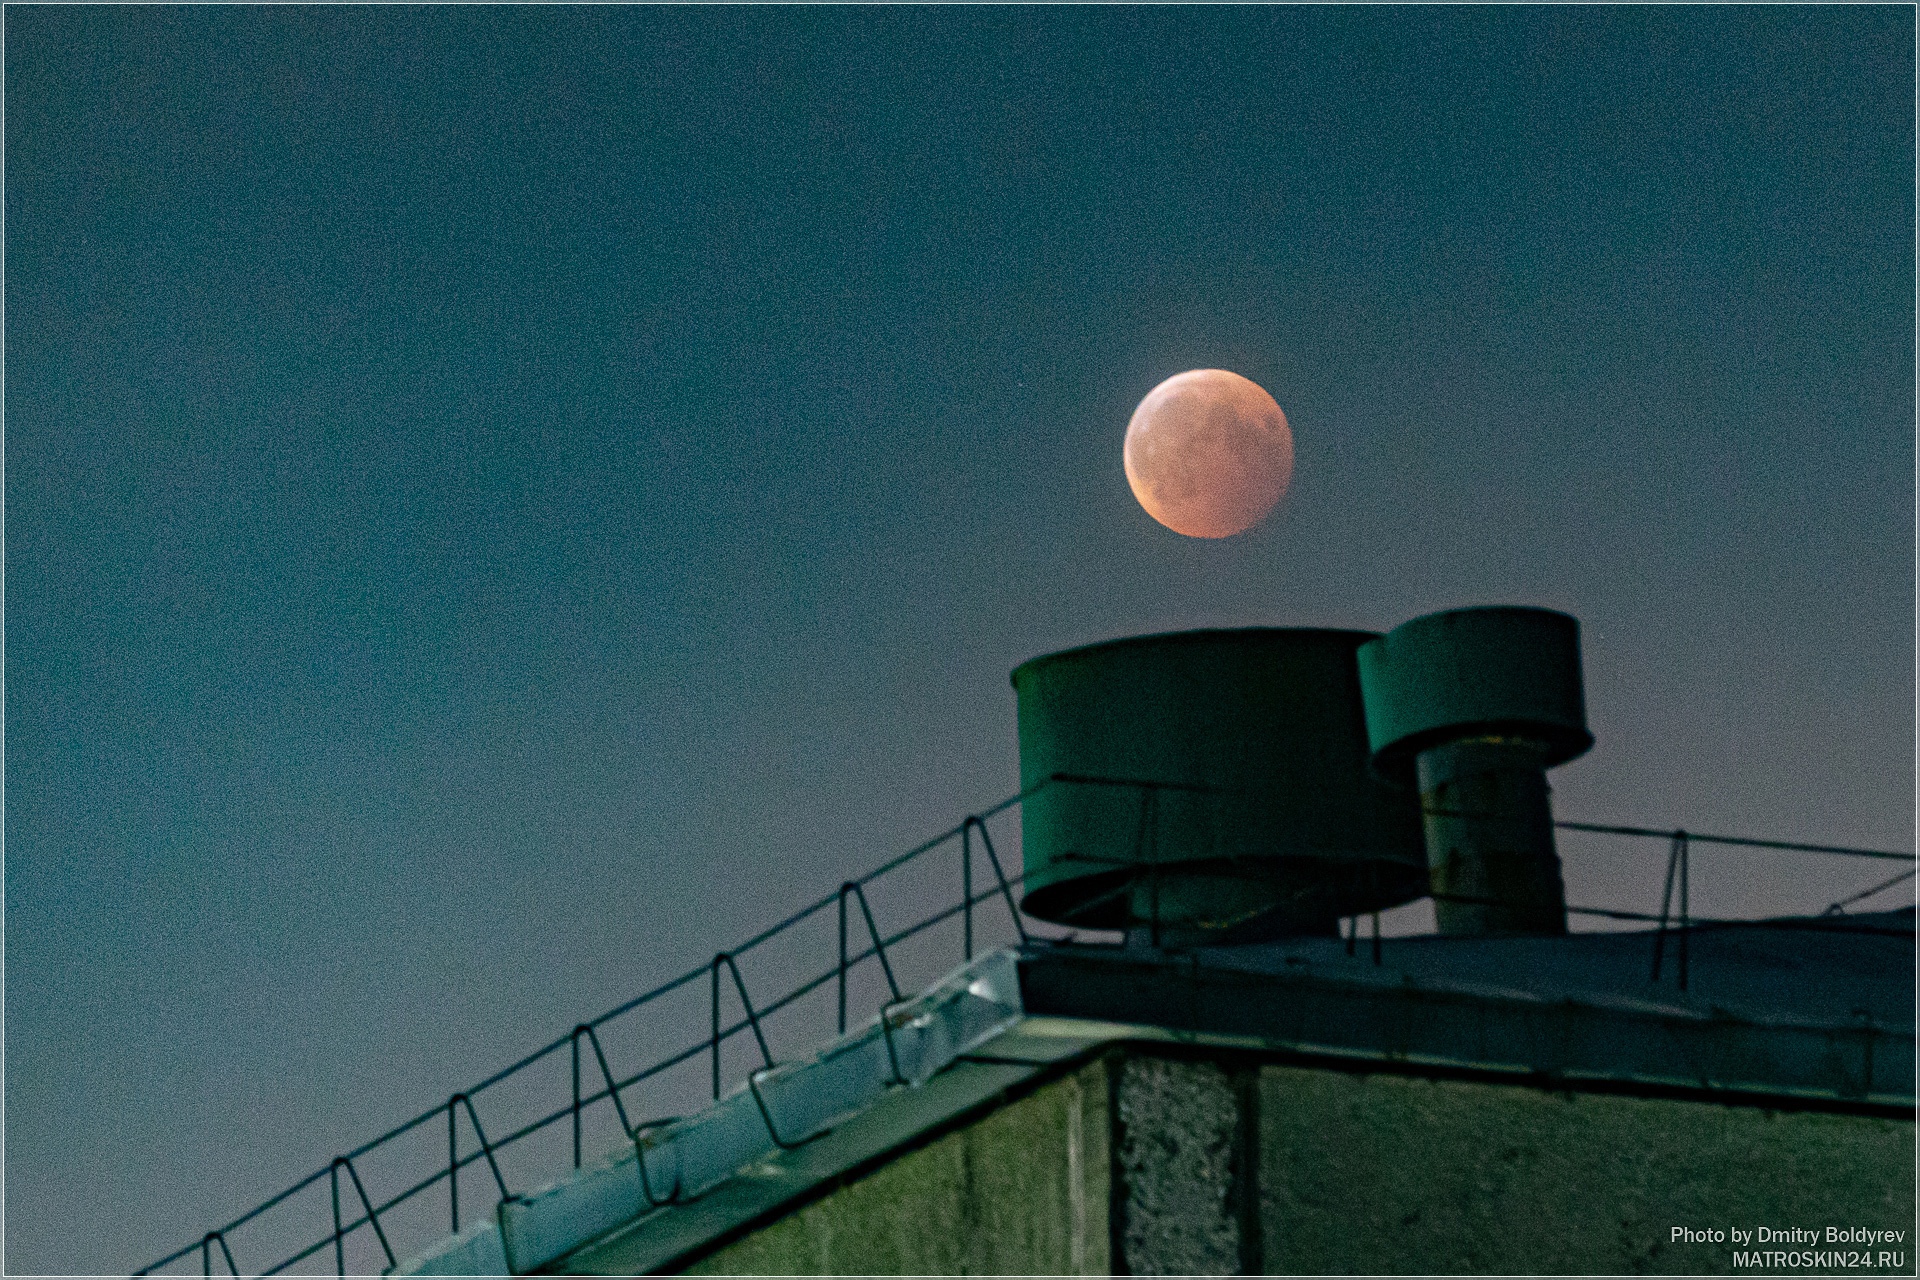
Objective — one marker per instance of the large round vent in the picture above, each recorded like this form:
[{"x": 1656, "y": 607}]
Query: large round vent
[
  {"x": 1209, "y": 786},
  {"x": 1473, "y": 706}
]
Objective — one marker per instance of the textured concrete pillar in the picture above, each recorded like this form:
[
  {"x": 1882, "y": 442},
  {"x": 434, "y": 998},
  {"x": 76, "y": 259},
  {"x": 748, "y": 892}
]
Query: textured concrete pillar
[{"x": 1182, "y": 1187}]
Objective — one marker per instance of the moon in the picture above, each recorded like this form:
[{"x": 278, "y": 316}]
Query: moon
[{"x": 1208, "y": 453}]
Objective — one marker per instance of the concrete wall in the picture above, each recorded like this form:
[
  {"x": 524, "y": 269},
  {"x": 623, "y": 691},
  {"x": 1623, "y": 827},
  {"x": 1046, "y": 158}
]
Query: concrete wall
[
  {"x": 1021, "y": 1191},
  {"x": 1397, "y": 1175},
  {"x": 1146, "y": 1163}
]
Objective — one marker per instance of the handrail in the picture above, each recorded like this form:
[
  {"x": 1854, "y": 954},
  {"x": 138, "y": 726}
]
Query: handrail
[
  {"x": 1792, "y": 846},
  {"x": 1839, "y": 908},
  {"x": 753, "y": 1016}
]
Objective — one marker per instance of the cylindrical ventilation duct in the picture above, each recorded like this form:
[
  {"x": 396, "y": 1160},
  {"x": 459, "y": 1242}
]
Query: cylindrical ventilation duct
[
  {"x": 1472, "y": 707},
  {"x": 1208, "y": 787}
]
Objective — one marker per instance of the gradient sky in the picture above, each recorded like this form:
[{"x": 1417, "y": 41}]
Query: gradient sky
[{"x": 505, "y": 502}]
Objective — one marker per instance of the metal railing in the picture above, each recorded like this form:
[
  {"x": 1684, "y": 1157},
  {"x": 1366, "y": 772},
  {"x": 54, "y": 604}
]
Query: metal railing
[
  {"x": 367, "y": 1215},
  {"x": 972, "y": 832},
  {"x": 1679, "y": 861}
]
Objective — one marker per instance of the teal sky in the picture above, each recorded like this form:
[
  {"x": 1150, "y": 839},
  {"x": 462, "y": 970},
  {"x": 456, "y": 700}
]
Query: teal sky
[{"x": 503, "y": 502}]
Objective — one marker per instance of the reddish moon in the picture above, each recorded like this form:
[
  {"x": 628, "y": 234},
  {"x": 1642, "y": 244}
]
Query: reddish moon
[{"x": 1208, "y": 453}]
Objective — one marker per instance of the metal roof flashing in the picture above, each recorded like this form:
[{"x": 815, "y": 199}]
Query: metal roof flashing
[
  {"x": 774, "y": 1112},
  {"x": 1574, "y": 1012}
]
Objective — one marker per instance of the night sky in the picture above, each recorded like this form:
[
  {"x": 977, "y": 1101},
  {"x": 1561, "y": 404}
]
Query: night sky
[{"x": 506, "y": 502}]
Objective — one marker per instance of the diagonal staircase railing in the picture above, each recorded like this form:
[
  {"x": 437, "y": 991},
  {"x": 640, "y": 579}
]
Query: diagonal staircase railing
[{"x": 358, "y": 1212}]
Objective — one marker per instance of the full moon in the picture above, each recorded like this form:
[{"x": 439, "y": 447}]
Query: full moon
[{"x": 1208, "y": 453}]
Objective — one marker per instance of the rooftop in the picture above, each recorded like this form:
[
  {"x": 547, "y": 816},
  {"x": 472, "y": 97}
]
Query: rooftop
[{"x": 1808, "y": 1012}]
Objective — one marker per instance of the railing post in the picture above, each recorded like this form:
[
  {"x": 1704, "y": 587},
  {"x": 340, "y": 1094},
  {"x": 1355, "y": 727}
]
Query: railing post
[
  {"x": 1666, "y": 901},
  {"x": 999, "y": 874},
  {"x": 576, "y": 1096},
  {"x": 715, "y": 1038},
  {"x": 366, "y": 1205},
  {"x": 873, "y": 931},
  {"x": 453, "y": 1169},
  {"x": 843, "y": 960},
  {"x": 206, "y": 1254},
  {"x": 339, "y": 1246},
  {"x": 486, "y": 1148},
  {"x": 746, "y": 1006},
  {"x": 1376, "y": 937},
  {"x": 966, "y": 893},
  {"x": 606, "y": 1072},
  {"x": 1686, "y": 915}
]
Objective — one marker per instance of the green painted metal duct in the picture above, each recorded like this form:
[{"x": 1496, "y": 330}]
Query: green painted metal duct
[
  {"x": 1472, "y": 706},
  {"x": 1474, "y": 672},
  {"x": 1208, "y": 786}
]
